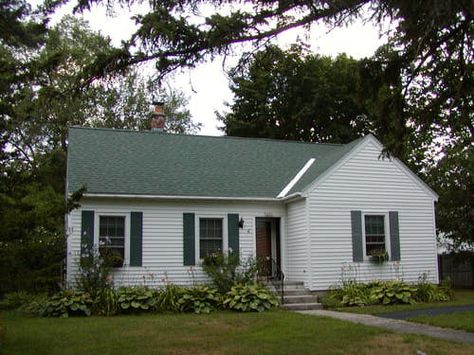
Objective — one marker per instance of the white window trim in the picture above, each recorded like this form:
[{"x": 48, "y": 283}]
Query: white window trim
[
  {"x": 225, "y": 237},
  {"x": 386, "y": 230},
  {"x": 126, "y": 260}
]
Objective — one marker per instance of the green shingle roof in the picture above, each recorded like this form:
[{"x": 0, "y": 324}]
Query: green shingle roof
[{"x": 111, "y": 161}]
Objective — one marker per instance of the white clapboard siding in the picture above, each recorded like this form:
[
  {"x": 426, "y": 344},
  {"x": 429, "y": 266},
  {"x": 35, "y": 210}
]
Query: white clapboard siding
[
  {"x": 370, "y": 184},
  {"x": 163, "y": 236},
  {"x": 297, "y": 266}
]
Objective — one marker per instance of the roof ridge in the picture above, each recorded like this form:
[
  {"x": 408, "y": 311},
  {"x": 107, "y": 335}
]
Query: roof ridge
[{"x": 121, "y": 130}]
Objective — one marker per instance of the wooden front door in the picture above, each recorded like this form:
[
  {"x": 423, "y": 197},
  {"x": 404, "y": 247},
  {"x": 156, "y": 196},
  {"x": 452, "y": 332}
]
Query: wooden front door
[{"x": 263, "y": 238}]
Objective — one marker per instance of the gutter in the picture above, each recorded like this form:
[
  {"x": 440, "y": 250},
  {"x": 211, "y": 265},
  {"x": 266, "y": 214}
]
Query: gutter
[
  {"x": 178, "y": 197},
  {"x": 209, "y": 198}
]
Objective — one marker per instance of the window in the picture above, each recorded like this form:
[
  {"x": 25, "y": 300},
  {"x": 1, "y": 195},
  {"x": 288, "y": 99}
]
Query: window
[
  {"x": 112, "y": 238},
  {"x": 374, "y": 234},
  {"x": 210, "y": 236}
]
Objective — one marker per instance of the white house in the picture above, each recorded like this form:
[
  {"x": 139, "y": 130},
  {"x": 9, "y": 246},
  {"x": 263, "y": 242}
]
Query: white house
[{"x": 163, "y": 201}]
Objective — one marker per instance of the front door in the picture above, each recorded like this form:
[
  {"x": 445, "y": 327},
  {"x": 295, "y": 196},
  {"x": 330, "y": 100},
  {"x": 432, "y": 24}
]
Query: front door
[{"x": 267, "y": 240}]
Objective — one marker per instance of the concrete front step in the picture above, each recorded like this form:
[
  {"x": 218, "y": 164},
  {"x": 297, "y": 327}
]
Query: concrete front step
[
  {"x": 291, "y": 299},
  {"x": 299, "y": 292},
  {"x": 290, "y": 288},
  {"x": 302, "y": 306}
]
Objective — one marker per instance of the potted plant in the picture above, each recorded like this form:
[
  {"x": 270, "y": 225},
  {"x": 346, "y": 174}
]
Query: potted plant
[{"x": 378, "y": 256}]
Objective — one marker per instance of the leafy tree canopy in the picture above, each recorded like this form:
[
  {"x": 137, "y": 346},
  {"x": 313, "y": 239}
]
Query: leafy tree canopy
[
  {"x": 297, "y": 96},
  {"x": 41, "y": 100}
]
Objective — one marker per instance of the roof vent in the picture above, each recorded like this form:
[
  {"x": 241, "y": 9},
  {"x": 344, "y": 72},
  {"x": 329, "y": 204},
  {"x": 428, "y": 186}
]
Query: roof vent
[{"x": 157, "y": 122}]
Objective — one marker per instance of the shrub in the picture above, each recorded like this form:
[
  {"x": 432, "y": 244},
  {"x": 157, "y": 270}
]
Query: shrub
[
  {"x": 35, "y": 306},
  {"x": 249, "y": 298},
  {"x": 14, "y": 300},
  {"x": 168, "y": 298},
  {"x": 199, "y": 299},
  {"x": 136, "y": 299},
  {"x": 68, "y": 303},
  {"x": 227, "y": 270}
]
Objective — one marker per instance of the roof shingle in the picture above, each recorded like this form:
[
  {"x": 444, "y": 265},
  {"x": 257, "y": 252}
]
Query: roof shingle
[{"x": 111, "y": 161}]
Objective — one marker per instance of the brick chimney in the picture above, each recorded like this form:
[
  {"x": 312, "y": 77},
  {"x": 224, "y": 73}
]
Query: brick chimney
[{"x": 157, "y": 122}]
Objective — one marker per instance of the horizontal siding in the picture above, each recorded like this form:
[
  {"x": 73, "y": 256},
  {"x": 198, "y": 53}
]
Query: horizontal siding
[
  {"x": 297, "y": 242},
  {"x": 369, "y": 184},
  {"x": 163, "y": 236}
]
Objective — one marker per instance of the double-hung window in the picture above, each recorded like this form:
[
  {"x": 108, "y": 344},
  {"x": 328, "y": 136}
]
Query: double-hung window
[
  {"x": 374, "y": 235},
  {"x": 210, "y": 236},
  {"x": 112, "y": 238}
]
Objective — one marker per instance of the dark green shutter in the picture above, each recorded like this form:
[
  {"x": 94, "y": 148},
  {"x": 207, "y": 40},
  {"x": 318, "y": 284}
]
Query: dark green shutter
[
  {"x": 136, "y": 238},
  {"x": 87, "y": 231},
  {"x": 233, "y": 232},
  {"x": 357, "y": 242},
  {"x": 188, "y": 239},
  {"x": 394, "y": 236}
]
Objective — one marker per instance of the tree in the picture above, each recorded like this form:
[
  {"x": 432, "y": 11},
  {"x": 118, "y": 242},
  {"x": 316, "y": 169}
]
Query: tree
[
  {"x": 51, "y": 102},
  {"x": 42, "y": 103},
  {"x": 297, "y": 96},
  {"x": 431, "y": 45}
]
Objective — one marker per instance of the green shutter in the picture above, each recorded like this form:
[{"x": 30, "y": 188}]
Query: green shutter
[
  {"x": 189, "y": 244},
  {"x": 233, "y": 232},
  {"x": 87, "y": 231},
  {"x": 394, "y": 236},
  {"x": 136, "y": 238},
  {"x": 357, "y": 242}
]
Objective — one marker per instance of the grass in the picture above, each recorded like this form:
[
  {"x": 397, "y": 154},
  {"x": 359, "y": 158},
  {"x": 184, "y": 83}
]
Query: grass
[
  {"x": 461, "y": 298},
  {"x": 276, "y": 332},
  {"x": 462, "y": 320}
]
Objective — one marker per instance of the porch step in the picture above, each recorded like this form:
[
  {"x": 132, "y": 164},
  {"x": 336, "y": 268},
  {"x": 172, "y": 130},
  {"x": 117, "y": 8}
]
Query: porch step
[
  {"x": 301, "y": 306},
  {"x": 294, "y": 299},
  {"x": 295, "y": 292}
]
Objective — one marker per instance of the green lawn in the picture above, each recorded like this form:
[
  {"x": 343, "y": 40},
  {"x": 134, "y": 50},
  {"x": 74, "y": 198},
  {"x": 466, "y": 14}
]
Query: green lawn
[
  {"x": 276, "y": 332},
  {"x": 463, "y": 320},
  {"x": 461, "y": 298}
]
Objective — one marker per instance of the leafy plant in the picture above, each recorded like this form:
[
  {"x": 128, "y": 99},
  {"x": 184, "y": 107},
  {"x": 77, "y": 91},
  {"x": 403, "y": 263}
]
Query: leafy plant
[
  {"x": 249, "y": 298},
  {"x": 353, "y": 293},
  {"x": 227, "y": 270},
  {"x": 68, "y": 303},
  {"x": 429, "y": 292},
  {"x": 106, "y": 302},
  {"x": 94, "y": 274},
  {"x": 136, "y": 299},
  {"x": 393, "y": 292},
  {"x": 13, "y": 300},
  {"x": 200, "y": 299},
  {"x": 35, "y": 306},
  {"x": 168, "y": 298}
]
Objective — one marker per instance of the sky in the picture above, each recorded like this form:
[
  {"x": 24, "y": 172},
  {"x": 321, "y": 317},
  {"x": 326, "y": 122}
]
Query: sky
[{"x": 207, "y": 86}]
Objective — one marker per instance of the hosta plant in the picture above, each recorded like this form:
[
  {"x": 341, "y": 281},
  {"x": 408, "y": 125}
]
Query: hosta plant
[
  {"x": 393, "y": 292},
  {"x": 68, "y": 303},
  {"x": 136, "y": 299},
  {"x": 200, "y": 299},
  {"x": 249, "y": 298}
]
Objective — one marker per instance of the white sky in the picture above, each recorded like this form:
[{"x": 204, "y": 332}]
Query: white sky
[{"x": 206, "y": 85}]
